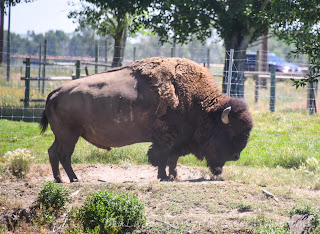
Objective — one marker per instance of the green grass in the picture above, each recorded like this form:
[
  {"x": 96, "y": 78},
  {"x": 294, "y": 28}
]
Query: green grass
[
  {"x": 282, "y": 139},
  {"x": 278, "y": 139}
]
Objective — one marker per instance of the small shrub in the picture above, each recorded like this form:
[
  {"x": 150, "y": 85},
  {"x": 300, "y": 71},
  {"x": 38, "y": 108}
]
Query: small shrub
[
  {"x": 19, "y": 162},
  {"x": 53, "y": 197},
  {"x": 106, "y": 212}
]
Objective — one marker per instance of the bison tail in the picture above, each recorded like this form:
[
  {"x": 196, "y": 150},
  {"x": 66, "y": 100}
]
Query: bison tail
[{"x": 44, "y": 122}]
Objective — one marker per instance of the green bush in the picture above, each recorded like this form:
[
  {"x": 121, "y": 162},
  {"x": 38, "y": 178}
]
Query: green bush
[
  {"x": 19, "y": 162},
  {"x": 53, "y": 196},
  {"x": 106, "y": 212}
]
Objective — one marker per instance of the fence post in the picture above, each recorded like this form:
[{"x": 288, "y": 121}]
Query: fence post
[
  {"x": 208, "y": 58},
  {"x": 27, "y": 84},
  {"x": 8, "y": 42},
  {"x": 257, "y": 78},
  {"x": 96, "y": 58},
  {"x": 311, "y": 99},
  {"x": 134, "y": 53},
  {"x": 173, "y": 52},
  {"x": 230, "y": 71},
  {"x": 106, "y": 54},
  {"x": 78, "y": 69},
  {"x": 44, "y": 64},
  {"x": 272, "y": 89},
  {"x": 39, "y": 73}
]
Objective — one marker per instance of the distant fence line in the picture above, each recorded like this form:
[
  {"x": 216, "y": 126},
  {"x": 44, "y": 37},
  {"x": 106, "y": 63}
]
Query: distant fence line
[{"x": 80, "y": 65}]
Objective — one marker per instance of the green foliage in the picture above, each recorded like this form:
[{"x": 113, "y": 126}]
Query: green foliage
[
  {"x": 106, "y": 212},
  {"x": 53, "y": 197},
  {"x": 297, "y": 22},
  {"x": 264, "y": 226},
  {"x": 184, "y": 19},
  {"x": 19, "y": 162},
  {"x": 110, "y": 18}
]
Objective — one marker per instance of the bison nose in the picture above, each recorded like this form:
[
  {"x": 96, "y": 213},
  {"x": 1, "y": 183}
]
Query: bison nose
[{"x": 236, "y": 156}]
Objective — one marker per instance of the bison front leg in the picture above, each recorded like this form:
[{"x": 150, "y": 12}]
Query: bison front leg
[
  {"x": 158, "y": 157},
  {"x": 172, "y": 163}
]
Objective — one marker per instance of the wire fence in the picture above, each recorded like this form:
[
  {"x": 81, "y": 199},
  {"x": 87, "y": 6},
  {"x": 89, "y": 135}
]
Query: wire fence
[{"x": 261, "y": 92}]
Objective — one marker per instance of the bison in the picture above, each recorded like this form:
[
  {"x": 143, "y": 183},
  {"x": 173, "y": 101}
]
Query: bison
[{"x": 173, "y": 103}]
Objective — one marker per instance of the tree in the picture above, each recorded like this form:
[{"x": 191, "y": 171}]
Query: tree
[
  {"x": 3, "y": 5},
  {"x": 111, "y": 18},
  {"x": 298, "y": 22},
  {"x": 235, "y": 21}
]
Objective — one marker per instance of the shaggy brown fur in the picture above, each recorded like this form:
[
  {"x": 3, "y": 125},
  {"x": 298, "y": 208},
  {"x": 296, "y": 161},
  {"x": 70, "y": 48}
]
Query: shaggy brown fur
[{"x": 180, "y": 83}]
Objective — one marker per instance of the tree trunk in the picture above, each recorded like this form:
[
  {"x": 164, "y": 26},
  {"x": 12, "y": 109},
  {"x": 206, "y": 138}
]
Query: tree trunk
[{"x": 119, "y": 45}]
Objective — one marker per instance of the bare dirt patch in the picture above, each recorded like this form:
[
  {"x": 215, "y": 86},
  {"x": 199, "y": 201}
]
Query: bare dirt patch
[{"x": 140, "y": 174}]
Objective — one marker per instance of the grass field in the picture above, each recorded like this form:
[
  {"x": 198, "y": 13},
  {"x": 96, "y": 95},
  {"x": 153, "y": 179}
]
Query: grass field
[{"x": 278, "y": 139}]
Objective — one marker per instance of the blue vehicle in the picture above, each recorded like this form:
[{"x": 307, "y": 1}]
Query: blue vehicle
[{"x": 273, "y": 61}]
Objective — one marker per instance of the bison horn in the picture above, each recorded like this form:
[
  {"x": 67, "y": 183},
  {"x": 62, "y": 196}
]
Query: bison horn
[{"x": 225, "y": 115}]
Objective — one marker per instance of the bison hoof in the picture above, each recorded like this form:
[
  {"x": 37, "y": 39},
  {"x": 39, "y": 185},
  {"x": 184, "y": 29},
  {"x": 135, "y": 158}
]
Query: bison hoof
[
  {"x": 164, "y": 178},
  {"x": 216, "y": 171},
  {"x": 174, "y": 178},
  {"x": 74, "y": 180},
  {"x": 58, "y": 180}
]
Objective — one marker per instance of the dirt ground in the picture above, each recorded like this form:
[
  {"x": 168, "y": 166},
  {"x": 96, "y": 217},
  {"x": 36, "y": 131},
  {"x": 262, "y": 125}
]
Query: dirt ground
[
  {"x": 196, "y": 203},
  {"x": 139, "y": 174}
]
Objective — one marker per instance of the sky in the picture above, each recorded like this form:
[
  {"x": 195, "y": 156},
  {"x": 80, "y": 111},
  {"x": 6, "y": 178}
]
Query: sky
[{"x": 41, "y": 16}]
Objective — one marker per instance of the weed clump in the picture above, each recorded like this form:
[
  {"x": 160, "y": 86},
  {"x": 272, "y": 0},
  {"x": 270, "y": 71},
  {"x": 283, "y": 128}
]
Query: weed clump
[
  {"x": 51, "y": 200},
  {"x": 19, "y": 162},
  {"x": 53, "y": 196},
  {"x": 311, "y": 164},
  {"x": 106, "y": 212}
]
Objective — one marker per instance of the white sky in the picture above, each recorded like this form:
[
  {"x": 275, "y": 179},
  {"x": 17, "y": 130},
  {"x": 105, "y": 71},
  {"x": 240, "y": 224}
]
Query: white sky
[{"x": 41, "y": 16}]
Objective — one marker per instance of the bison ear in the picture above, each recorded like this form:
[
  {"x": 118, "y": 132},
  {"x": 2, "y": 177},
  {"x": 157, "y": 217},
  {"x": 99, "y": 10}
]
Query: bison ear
[{"x": 225, "y": 115}]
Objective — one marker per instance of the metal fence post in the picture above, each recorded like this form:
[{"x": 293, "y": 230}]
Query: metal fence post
[
  {"x": 78, "y": 69},
  {"x": 106, "y": 53},
  {"x": 208, "y": 58},
  {"x": 230, "y": 71},
  {"x": 173, "y": 53},
  {"x": 272, "y": 89},
  {"x": 134, "y": 53},
  {"x": 39, "y": 73},
  {"x": 96, "y": 58},
  {"x": 311, "y": 98},
  {"x": 257, "y": 78},
  {"x": 27, "y": 84},
  {"x": 44, "y": 64}
]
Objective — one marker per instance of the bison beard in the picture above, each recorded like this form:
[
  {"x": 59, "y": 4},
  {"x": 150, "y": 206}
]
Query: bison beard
[{"x": 171, "y": 102}]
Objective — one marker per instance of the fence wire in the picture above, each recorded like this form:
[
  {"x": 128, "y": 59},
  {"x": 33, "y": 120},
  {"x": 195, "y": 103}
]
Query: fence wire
[{"x": 256, "y": 87}]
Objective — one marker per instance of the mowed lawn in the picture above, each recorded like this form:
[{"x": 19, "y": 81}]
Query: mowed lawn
[{"x": 277, "y": 139}]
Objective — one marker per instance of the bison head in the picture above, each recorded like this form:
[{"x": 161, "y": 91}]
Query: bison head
[{"x": 228, "y": 133}]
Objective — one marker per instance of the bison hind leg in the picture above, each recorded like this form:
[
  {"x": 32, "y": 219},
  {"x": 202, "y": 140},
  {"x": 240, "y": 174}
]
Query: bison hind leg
[
  {"x": 61, "y": 151},
  {"x": 54, "y": 161}
]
